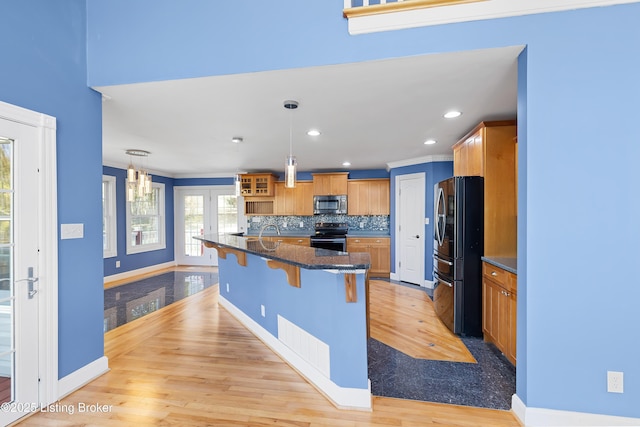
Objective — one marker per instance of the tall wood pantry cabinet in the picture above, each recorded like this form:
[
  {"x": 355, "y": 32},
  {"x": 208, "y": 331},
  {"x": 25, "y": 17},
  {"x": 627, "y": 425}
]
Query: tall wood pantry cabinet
[{"x": 489, "y": 151}]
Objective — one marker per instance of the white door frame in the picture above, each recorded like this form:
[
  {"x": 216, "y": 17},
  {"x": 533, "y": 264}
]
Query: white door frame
[
  {"x": 178, "y": 192},
  {"x": 47, "y": 243},
  {"x": 398, "y": 243}
]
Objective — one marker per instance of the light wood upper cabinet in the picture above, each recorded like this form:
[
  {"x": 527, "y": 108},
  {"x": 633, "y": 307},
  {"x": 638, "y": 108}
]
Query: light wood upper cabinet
[
  {"x": 294, "y": 201},
  {"x": 330, "y": 184},
  {"x": 467, "y": 156},
  {"x": 257, "y": 184},
  {"x": 489, "y": 151},
  {"x": 368, "y": 197}
]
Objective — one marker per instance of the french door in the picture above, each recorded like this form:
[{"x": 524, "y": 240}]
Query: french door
[
  {"x": 200, "y": 211},
  {"x": 24, "y": 381}
]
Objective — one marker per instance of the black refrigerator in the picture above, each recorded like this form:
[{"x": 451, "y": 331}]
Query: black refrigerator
[{"x": 457, "y": 251}]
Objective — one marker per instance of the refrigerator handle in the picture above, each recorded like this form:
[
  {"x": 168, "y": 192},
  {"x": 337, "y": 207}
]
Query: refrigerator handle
[
  {"x": 438, "y": 279},
  {"x": 439, "y": 235}
]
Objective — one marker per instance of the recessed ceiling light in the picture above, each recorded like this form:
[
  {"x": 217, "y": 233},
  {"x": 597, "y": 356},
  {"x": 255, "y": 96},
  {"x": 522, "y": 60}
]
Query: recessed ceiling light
[
  {"x": 313, "y": 132},
  {"x": 430, "y": 142},
  {"x": 236, "y": 139},
  {"x": 346, "y": 163},
  {"x": 452, "y": 114}
]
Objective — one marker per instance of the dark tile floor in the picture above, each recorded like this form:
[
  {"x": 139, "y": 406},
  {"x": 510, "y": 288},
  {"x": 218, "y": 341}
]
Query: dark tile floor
[
  {"x": 490, "y": 383},
  {"x": 133, "y": 300}
]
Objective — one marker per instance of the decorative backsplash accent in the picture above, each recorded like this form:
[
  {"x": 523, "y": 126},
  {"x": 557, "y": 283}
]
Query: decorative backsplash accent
[{"x": 305, "y": 224}]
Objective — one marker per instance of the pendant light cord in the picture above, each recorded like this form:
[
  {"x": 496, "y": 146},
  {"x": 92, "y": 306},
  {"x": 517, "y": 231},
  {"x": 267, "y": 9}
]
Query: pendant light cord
[{"x": 290, "y": 132}]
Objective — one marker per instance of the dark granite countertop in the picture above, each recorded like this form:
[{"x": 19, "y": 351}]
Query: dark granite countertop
[
  {"x": 300, "y": 232},
  {"x": 368, "y": 233},
  {"x": 505, "y": 263},
  {"x": 306, "y": 233},
  {"x": 301, "y": 256}
]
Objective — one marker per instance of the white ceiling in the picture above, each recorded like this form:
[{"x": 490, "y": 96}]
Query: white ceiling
[{"x": 369, "y": 113}]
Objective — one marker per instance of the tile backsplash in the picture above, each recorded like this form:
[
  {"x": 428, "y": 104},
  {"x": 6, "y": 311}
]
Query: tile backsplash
[{"x": 306, "y": 223}]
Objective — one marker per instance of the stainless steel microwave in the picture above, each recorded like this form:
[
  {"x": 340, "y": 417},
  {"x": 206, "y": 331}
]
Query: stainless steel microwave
[{"x": 333, "y": 205}]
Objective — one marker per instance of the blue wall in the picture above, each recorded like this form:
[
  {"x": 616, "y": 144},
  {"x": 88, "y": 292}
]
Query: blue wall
[
  {"x": 184, "y": 182},
  {"x": 580, "y": 71},
  {"x": 318, "y": 306},
  {"x": 434, "y": 172},
  {"x": 143, "y": 259},
  {"x": 44, "y": 57}
]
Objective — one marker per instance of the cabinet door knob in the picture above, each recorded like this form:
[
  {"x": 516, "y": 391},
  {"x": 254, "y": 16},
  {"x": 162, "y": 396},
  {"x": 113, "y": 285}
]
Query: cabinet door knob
[
  {"x": 493, "y": 273},
  {"x": 417, "y": 236}
]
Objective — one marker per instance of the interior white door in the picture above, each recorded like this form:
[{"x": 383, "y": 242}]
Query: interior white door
[
  {"x": 411, "y": 241},
  {"x": 19, "y": 298},
  {"x": 200, "y": 211}
]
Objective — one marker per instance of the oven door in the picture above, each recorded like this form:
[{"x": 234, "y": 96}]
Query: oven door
[{"x": 332, "y": 243}]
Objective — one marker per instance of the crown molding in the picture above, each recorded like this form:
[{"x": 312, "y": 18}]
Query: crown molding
[{"x": 420, "y": 160}]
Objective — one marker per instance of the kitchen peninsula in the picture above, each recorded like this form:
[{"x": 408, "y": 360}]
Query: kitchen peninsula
[{"x": 307, "y": 304}]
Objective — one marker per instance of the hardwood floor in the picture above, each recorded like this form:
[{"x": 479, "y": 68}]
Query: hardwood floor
[
  {"x": 404, "y": 318},
  {"x": 193, "y": 364}
]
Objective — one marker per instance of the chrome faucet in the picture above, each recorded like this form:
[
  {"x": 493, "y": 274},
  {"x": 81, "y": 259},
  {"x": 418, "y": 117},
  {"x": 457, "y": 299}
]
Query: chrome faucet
[
  {"x": 264, "y": 227},
  {"x": 276, "y": 244}
]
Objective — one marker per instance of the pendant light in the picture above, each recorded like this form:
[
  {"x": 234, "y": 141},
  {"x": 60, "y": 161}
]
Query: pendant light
[
  {"x": 138, "y": 181},
  {"x": 290, "y": 164}
]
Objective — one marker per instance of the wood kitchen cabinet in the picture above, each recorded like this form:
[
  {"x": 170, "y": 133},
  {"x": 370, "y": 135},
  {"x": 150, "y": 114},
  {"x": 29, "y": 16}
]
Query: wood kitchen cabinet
[
  {"x": 294, "y": 201},
  {"x": 259, "y": 206},
  {"x": 300, "y": 241},
  {"x": 489, "y": 151},
  {"x": 258, "y": 184},
  {"x": 379, "y": 249},
  {"x": 368, "y": 197},
  {"x": 499, "y": 312},
  {"x": 330, "y": 184}
]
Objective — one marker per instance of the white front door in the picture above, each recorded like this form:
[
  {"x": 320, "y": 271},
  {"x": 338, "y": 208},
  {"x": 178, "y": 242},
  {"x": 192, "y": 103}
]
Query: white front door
[
  {"x": 19, "y": 270},
  {"x": 201, "y": 211},
  {"x": 410, "y": 214}
]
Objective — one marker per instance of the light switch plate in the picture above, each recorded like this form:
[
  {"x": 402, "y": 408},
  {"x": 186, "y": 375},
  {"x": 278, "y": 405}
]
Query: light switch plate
[{"x": 71, "y": 231}]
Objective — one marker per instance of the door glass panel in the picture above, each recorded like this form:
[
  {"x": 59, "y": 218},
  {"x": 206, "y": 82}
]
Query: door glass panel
[
  {"x": 227, "y": 214},
  {"x": 6, "y": 265},
  {"x": 193, "y": 224}
]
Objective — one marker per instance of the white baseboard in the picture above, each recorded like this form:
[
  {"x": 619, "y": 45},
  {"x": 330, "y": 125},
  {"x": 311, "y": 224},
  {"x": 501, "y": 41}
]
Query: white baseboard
[
  {"x": 540, "y": 417},
  {"x": 425, "y": 284},
  {"x": 341, "y": 397},
  {"x": 139, "y": 271},
  {"x": 82, "y": 376}
]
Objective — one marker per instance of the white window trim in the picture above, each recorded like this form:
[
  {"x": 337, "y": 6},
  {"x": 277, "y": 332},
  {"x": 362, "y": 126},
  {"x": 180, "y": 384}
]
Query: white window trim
[
  {"x": 131, "y": 249},
  {"x": 112, "y": 225}
]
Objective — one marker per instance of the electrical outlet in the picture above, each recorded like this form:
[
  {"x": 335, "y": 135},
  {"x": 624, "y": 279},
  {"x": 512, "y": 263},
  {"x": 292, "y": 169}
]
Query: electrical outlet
[
  {"x": 301, "y": 224},
  {"x": 361, "y": 224},
  {"x": 262, "y": 311},
  {"x": 227, "y": 288},
  {"x": 426, "y": 221},
  {"x": 117, "y": 264},
  {"x": 615, "y": 382},
  {"x": 284, "y": 225}
]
